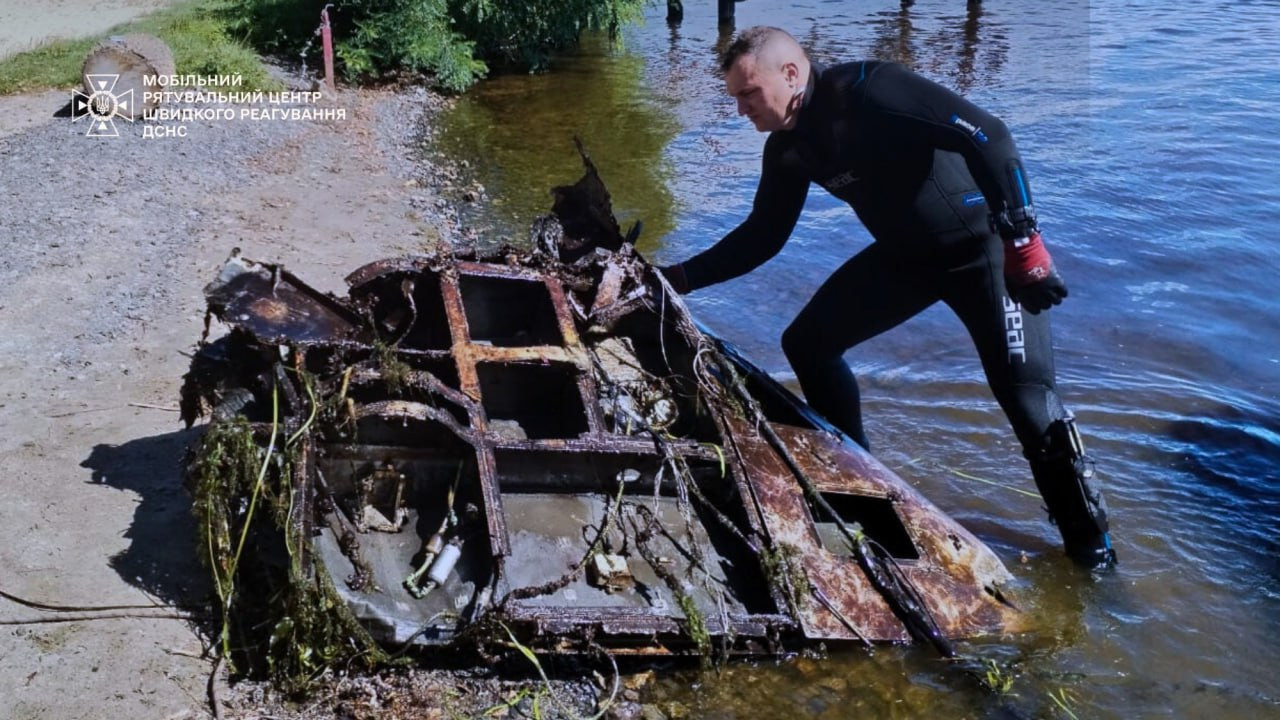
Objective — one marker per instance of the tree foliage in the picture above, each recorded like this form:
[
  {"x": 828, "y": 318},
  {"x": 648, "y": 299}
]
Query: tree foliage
[
  {"x": 455, "y": 42},
  {"x": 524, "y": 34}
]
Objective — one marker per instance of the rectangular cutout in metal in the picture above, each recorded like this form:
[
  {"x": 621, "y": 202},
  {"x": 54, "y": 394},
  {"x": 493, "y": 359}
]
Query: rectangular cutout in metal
[
  {"x": 532, "y": 401},
  {"x": 509, "y": 312},
  {"x": 878, "y": 518},
  {"x": 430, "y": 330}
]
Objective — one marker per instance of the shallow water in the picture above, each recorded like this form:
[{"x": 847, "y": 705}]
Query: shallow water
[{"x": 1150, "y": 132}]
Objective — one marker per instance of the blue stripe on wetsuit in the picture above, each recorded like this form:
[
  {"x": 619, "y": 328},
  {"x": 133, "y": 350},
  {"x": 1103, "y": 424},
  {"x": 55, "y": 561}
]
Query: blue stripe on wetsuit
[{"x": 1022, "y": 187}]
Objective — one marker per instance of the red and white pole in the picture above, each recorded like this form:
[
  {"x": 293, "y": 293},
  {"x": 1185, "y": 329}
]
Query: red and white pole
[{"x": 326, "y": 39}]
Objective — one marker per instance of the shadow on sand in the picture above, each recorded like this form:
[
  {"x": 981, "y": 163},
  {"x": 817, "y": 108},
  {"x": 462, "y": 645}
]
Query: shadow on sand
[{"x": 161, "y": 558}]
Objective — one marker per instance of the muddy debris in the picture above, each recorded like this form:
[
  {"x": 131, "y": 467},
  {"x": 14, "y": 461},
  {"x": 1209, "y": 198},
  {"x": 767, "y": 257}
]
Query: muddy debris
[{"x": 539, "y": 450}]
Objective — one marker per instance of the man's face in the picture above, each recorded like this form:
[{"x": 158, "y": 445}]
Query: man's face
[{"x": 764, "y": 93}]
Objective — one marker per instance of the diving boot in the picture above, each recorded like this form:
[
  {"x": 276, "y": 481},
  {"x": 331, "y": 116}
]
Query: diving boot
[{"x": 1064, "y": 476}]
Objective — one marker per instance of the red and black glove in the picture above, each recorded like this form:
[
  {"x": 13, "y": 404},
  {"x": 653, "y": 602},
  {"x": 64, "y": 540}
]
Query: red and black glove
[{"x": 1029, "y": 274}]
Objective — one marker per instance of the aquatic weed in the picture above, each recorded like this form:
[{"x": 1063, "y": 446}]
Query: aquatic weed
[
  {"x": 289, "y": 624},
  {"x": 784, "y": 570},
  {"x": 1064, "y": 700},
  {"x": 695, "y": 624},
  {"x": 997, "y": 679},
  {"x": 395, "y": 372}
]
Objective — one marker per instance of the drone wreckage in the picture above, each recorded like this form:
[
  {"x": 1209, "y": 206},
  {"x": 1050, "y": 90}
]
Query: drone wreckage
[{"x": 541, "y": 445}]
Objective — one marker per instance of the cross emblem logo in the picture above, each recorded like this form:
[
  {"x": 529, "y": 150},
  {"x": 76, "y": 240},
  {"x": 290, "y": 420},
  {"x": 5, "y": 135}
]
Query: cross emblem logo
[{"x": 102, "y": 105}]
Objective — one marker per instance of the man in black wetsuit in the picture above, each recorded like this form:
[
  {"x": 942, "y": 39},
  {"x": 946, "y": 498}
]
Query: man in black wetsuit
[{"x": 939, "y": 185}]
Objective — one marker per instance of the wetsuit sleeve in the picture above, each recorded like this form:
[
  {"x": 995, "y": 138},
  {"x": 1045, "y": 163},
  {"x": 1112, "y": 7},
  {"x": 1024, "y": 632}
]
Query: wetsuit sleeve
[
  {"x": 779, "y": 199},
  {"x": 915, "y": 109}
]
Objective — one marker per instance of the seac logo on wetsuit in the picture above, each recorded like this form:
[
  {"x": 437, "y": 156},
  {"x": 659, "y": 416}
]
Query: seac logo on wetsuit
[
  {"x": 1014, "y": 338},
  {"x": 841, "y": 180}
]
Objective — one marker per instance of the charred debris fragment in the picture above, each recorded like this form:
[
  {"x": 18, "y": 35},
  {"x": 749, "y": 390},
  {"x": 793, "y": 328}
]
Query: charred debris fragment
[{"x": 540, "y": 443}]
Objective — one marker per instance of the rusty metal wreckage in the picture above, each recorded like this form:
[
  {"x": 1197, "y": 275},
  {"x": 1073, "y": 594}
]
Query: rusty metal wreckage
[{"x": 547, "y": 437}]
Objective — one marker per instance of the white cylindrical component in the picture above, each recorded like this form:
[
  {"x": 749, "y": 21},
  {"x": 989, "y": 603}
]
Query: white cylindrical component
[{"x": 443, "y": 566}]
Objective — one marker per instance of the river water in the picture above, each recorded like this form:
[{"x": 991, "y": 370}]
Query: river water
[{"x": 1151, "y": 134}]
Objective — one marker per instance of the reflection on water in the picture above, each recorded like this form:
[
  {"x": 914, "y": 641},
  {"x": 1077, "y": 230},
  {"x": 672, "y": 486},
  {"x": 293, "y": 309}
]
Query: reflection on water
[
  {"x": 960, "y": 51},
  {"x": 1150, "y": 130},
  {"x": 600, "y": 96}
]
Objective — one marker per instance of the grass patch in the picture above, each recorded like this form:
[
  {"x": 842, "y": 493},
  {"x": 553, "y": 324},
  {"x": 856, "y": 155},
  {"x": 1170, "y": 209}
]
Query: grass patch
[
  {"x": 54, "y": 65},
  {"x": 198, "y": 33}
]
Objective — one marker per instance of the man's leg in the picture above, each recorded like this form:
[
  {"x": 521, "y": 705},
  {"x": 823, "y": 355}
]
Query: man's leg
[
  {"x": 867, "y": 295},
  {"x": 1016, "y": 348}
]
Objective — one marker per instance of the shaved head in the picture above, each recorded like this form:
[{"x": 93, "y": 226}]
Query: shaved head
[
  {"x": 770, "y": 46},
  {"x": 766, "y": 71}
]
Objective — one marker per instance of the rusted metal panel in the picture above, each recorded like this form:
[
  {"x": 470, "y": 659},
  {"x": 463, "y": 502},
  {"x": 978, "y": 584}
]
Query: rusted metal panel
[
  {"x": 275, "y": 306},
  {"x": 790, "y": 523},
  {"x": 959, "y": 573}
]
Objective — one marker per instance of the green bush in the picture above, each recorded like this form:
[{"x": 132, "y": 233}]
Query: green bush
[
  {"x": 523, "y": 35},
  {"x": 407, "y": 35},
  {"x": 453, "y": 41}
]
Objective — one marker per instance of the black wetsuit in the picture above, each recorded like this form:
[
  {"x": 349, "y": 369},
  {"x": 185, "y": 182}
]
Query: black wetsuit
[{"x": 924, "y": 169}]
